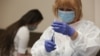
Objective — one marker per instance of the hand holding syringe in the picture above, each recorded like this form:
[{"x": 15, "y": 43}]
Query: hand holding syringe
[{"x": 50, "y": 44}]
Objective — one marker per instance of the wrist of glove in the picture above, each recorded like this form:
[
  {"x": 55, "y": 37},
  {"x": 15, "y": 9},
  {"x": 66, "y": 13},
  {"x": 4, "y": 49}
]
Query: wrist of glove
[
  {"x": 63, "y": 28},
  {"x": 70, "y": 31}
]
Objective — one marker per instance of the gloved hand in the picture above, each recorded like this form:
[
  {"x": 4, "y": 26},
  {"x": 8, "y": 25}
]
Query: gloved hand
[
  {"x": 50, "y": 45},
  {"x": 63, "y": 28}
]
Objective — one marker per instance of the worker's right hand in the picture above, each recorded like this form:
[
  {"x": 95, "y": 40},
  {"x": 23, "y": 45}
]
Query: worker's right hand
[{"x": 50, "y": 45}]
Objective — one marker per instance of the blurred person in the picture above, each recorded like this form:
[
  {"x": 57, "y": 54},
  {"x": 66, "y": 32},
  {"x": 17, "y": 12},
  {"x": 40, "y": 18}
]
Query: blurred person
[
  {"x": 16, "y": 37},
  {"x": 69, "y": 34}
]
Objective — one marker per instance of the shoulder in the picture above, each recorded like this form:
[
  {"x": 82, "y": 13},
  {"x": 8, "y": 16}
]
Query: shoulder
[
  {"x": 47, "y": 33},
  {"x": 48, "y": 29},
  {"x": 90, "y": 24},
  {"x": 23, "y": 30},
  {"x": 86, "y": 22},
  {"x": 87, "y": 25}
]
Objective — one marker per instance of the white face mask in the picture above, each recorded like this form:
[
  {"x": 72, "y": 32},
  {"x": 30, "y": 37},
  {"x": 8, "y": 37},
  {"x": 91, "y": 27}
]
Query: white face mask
[{"x": 66, "y": 16}]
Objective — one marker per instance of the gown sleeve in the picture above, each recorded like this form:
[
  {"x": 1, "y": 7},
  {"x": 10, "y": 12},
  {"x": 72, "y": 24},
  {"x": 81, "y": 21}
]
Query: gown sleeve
[
  {"x": 38, "y": 48},
  {"x": 88, "y": 40}
]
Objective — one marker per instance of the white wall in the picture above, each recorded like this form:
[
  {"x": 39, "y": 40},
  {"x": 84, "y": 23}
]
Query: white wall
[
  {"x": 88, "y": 9},
  {"x": 12, "y": 10},
  {"x": 97, "y": 12}
]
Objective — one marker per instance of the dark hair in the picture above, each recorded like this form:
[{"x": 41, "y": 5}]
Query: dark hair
[{"x": 7, "y": 37}]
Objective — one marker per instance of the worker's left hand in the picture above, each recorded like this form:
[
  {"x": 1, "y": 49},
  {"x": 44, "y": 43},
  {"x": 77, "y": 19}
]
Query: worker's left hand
[{"x": 63, "y": 28}]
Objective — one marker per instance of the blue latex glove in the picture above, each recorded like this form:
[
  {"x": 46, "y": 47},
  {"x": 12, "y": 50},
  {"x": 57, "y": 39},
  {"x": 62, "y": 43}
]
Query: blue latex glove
[
  {"x": 50, "y": 45},
  {"x": 63, "y": 28}
]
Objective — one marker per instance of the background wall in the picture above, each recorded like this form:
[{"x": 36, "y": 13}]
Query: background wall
[
  {"x": 97, "y": 12},
  {"x": 12, "y": 10}
]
